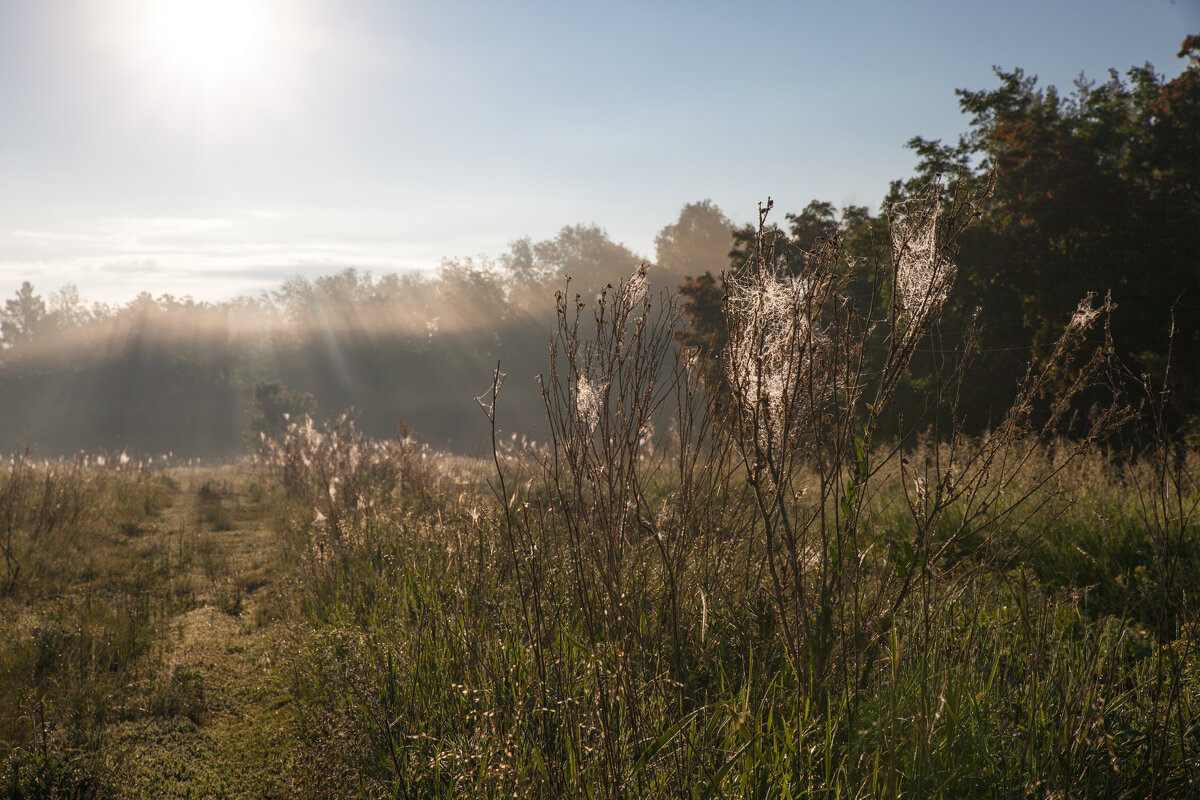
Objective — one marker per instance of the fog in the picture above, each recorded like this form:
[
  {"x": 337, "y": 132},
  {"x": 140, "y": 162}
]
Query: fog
[{"x": 173, "y": 376}]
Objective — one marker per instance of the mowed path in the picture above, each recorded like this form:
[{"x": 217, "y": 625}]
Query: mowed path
[{"x": 221, "y": 727}]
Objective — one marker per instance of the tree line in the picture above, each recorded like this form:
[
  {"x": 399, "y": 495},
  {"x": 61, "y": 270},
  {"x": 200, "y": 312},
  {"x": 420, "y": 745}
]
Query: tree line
[
  {"x": 169, "y": 375},
  {"x": 1095, "y": 190}
]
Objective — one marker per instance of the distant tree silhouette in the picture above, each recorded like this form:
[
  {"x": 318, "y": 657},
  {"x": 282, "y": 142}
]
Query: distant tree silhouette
[
  {"x": 272, "y": 408},
  {"x": 696, "y": 243},
  {"x": 23, "y": 317},
  {"x": 585, "y": 253}
]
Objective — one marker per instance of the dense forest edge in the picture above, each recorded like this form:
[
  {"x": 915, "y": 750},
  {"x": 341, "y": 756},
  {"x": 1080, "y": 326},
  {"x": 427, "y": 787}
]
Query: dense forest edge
[{"x": 1092, "y": 191}]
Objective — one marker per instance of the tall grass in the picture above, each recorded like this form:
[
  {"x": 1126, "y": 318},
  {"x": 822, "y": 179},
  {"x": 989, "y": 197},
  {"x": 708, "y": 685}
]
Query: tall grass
[{"x": 747, "y": 590}]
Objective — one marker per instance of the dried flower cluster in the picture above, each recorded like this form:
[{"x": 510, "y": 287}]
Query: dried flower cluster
[
  {"x": 924, "y": 271},
  {"x": 344, "y": 477}
]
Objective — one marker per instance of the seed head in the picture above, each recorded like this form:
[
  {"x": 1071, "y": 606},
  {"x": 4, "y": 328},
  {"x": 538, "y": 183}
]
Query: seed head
[{"x": 924, "y": 273}]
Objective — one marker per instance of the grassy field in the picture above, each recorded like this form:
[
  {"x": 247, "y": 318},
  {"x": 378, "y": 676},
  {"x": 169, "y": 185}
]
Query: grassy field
[
  {"x": 755, "y": 592},
  {"x": 447, "y": 655},
  {"x": 183, "y": 633},
  {"x": 141, "y": 615}
]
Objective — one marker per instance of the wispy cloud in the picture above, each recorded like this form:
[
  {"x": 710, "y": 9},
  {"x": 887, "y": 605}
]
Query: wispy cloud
[{"x": 206, "y": 257}]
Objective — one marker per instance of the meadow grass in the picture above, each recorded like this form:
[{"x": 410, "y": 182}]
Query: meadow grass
[
  {"x": 449, "y": 638},
  {"x": 755, "y": 592},
  {"x": 433, "y": 665},
  {"x": 112, "y": 572},
  {"x": 738, "y": 573}
]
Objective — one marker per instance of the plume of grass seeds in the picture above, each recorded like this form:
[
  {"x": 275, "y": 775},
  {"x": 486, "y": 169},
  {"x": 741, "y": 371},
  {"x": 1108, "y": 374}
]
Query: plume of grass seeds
[
  {"x": 924, "y": 272},
  {"x": 776, "y": 348}
]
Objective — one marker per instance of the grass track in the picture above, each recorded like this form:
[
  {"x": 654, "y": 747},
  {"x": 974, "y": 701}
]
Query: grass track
[
  {"x": 236, "y": 743},
  {"x": 193, "y": 709}
]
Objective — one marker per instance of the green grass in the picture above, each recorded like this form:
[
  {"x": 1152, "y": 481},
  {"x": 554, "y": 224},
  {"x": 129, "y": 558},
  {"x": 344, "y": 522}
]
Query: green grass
[
  {"x": 108, "y": 665},
  {"x": 433, "y": 664},
  {"x": 154, "y": 648}
]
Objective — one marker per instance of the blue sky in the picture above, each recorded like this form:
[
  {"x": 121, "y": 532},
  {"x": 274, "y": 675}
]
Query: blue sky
[{"x": 387, "y": 136}]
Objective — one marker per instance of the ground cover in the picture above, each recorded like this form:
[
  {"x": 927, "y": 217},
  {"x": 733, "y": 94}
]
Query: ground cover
[{"x": 139, "y": 637}]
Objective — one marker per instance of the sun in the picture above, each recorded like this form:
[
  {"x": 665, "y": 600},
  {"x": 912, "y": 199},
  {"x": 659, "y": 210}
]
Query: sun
[
  {"x": 209, "y": 70},
  {"x": 208, "y": 42}
]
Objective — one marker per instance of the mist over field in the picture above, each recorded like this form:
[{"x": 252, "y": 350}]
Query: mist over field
[{"x": 172, "y": 375}]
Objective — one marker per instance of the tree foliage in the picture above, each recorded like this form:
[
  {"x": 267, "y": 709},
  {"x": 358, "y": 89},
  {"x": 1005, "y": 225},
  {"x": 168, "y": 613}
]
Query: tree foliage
[
  {"x": 273, "y": 407},
  {"x": 1094, "y": 191},
  {"x": 1097, "y": 191},
  {"x": 696, "y": 243},
  {"x": 23, "y": 317}
]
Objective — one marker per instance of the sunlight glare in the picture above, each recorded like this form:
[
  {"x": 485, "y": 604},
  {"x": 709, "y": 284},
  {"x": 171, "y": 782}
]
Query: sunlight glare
[{"x": 208, "y": 41}]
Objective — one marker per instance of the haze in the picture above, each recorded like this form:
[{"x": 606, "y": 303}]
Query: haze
[{"x": 216, "y": 149}]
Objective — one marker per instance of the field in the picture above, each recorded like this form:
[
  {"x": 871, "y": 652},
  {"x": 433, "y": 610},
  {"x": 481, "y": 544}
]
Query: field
[
  {"x": 731, "y": 578},
  {"x": 142, "y": 611},
  {"x": 184, "y": 633}
]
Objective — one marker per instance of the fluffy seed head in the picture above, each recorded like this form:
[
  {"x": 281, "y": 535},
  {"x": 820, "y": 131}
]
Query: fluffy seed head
[
  {"x": 587, "y": 403},
  {"x": 924, "y": 275}
]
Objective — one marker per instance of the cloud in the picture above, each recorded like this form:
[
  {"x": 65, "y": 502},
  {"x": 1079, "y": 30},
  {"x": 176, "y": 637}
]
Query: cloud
[
  {"x": 125, "y": 235},
  {"x": 112, "y": 259},
  {"x": 105, "y": 271}
]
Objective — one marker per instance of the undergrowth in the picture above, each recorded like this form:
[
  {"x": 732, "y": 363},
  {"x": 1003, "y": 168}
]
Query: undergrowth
[{"x": 97, "y": 564}]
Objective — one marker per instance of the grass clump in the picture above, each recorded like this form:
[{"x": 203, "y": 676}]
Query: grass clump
[
  {"x": 84, "y": 589},
  {"x": 117, "y": 583}
]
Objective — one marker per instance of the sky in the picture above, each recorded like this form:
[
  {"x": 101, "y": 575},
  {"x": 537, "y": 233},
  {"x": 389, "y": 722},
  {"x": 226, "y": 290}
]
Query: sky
[{"x": 215, "y": 148}]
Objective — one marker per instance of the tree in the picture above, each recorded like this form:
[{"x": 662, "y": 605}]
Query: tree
[
  {"x": 22, "y": 318},
  {"x": 706, "y": 332},
  {"x": 67, "y": 309},
  {"x": 1097, "y": 191},
  {"x": 272, "y": 409},
  {"x": 584, "y": 253},
  {"x": 698, "y": 242}
]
